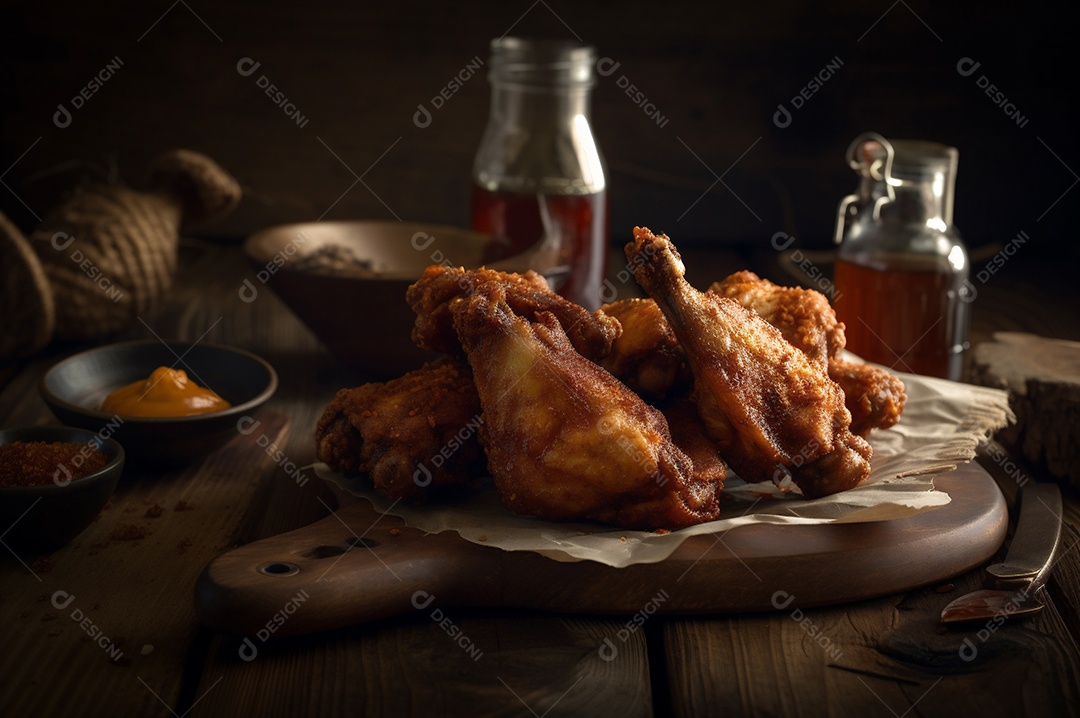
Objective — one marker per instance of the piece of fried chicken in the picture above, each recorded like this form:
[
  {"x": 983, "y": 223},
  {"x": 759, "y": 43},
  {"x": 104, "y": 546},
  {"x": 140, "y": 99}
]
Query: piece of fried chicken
[
  {"x": 803, "y": 316},
  {"x": 875, "y": 397},
  {"x": 413, "y": 435},
  {"x": 564, "y": 438},
  {"x": 434, "y": 295},
  {"x": 646, "y": 356},
  {"x": 770, "y": 408}
]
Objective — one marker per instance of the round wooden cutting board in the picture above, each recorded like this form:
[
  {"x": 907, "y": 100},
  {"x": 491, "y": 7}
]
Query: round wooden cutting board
[{"x": 356, "y": 566}]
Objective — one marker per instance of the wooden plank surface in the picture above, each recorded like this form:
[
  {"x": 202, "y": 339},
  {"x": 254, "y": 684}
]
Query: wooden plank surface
[{"x": 888, "y": 657}]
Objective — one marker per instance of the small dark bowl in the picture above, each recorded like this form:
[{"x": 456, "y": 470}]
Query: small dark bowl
[
  {"x": 39, "y": 519},
  {"x": 75, "y": 387}
]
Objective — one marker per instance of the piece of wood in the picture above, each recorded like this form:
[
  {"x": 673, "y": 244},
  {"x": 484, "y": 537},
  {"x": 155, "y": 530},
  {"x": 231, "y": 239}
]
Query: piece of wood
[
  {"x": 1042, "y": 377},
  {"x": 358, "y": 565},
  {"x": 457, "y": 662},
  {"x": 116, "y": 602}
]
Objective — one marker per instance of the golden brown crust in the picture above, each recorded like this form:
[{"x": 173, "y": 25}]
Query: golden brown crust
[
  {"x": 766, "y": 404},
  {"x": 564, "y": 438},
  {"x": 804, "y": 316},
  {"x": 874, "y": 396},
  {"x": 413, "y": 435},
  {"x": 646, "y": 356},
  {"x": 434, "y": 295}
]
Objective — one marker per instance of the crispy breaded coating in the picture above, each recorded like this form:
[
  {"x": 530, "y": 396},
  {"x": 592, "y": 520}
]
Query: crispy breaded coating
[
  {"x": 433, "y": 297},
  {"x": 412, "y": 435},
  {"x": 646, "y": 356},
  {"x": 564, "y": 438},
  {"x": 766, "y": 404},
  {"x": 803, "y": 316}
]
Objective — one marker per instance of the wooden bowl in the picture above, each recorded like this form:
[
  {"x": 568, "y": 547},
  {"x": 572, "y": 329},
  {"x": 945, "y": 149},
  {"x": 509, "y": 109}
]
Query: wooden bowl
[
  {"x": 39, "y": 519},
  {"x": 361, "y": 316},
  {"x": 75, "y": 387}
]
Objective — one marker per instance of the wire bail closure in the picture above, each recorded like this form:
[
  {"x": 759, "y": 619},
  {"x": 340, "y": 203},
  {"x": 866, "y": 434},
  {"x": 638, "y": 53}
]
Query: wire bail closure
[{"x": 870, "y": 167}]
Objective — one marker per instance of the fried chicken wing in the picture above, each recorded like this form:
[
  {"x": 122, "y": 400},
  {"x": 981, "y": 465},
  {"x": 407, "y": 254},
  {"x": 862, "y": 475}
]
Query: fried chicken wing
[
  {"x": 803, "y": 316},
  {"x": 766, "y": 404},
  {"x": 413, "y": 435},
  {"x": 874, "y": 396},
  {"x": 564, "y": 438},
  {"x": 434, "y": 295},
  {"x": 646, "y": 356}
]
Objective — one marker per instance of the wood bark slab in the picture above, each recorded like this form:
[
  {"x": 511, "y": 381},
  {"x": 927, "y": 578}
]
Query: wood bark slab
[{"x": 1043, "y": 379}]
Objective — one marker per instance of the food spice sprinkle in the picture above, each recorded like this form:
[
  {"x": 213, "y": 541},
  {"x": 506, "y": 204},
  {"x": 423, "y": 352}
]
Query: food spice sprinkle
[
  {"x": 183, "y": 506},
  {"x": 128, "y": 532},
  {"x": 153, "y": 512},
  {"x": 39, "y": 463}
]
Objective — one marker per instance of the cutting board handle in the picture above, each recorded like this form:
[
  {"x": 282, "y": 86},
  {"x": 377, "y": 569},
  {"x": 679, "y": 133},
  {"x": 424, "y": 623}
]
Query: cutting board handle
[{"x": 326, "y": 576}]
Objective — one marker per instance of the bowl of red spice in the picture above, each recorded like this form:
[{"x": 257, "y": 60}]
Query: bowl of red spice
[{"x": 54, "y": 480}]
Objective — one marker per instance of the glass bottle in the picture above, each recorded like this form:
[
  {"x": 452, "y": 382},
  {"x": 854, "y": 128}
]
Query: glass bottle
[
  {"x": 538, "y": 178},
  {"x": 902, "y": 270}
]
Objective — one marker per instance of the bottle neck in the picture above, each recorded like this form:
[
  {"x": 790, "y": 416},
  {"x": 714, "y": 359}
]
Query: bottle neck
[{"x": 523, "y": 106}]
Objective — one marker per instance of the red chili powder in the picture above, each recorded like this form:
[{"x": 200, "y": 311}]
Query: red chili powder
[{"x": 38, "y": 463}]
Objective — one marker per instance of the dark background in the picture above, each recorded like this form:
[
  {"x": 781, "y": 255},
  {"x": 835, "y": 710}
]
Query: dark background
[{"x": 358, "y": 72}]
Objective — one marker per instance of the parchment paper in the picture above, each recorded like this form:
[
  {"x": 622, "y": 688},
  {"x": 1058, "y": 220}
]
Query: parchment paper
[{"x": 942, "y": 425}]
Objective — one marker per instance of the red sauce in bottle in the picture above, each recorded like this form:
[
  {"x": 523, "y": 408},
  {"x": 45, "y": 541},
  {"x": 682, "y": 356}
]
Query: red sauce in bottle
[
  {"x": 908, "y": 314},
  {"x": 581, "y": 221}
]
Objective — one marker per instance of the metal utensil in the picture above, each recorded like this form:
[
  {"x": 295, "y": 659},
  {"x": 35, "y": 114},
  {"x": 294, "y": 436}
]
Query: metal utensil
[{"x": 1020, "y": 578}]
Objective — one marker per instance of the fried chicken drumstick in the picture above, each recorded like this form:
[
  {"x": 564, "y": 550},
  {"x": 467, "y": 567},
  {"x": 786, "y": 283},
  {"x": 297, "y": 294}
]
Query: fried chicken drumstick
[
  {"x": 766, "y": 404},
  {"x": 875, "y": 397},
  {"x": 413, "y": 435},
  {"x": 564, "y": 438},
  {"x": 434, "y": 295}
]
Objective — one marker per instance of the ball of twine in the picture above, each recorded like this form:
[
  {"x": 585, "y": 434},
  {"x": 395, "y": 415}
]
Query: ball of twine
[{"x": 109, "y": 252}]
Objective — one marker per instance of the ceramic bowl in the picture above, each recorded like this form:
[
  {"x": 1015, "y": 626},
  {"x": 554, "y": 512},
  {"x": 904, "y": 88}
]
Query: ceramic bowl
[
  {"x": 360, "y": 314},
  {"x": 75, "y": 387},
  {"x": 39, "y": 519}
]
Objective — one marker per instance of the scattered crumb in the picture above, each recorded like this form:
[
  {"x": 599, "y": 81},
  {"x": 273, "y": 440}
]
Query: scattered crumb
[
  {"x": 128, "y": 532},
  {"x": 42, "y": 564},
  {"x": 183, "y": 545},
  {"x": 183, "y": 506},
  {"x": 48, "y": 616},
  {"x": 622, "y": 538},
  {"x": 945, "y": 588},
  {"x": 941, "y": 630},
  {"x": 481, "y": 538},
  {"x": 146, "y": 650},
  {"x": 153, "y": 512},
  {"x": 395, "y": 532},
  {"x": 662, "y": 531}
]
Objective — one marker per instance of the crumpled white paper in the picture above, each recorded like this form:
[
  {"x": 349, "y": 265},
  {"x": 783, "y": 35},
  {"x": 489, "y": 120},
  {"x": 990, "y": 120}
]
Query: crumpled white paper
[{"x": 942, "y": 425}]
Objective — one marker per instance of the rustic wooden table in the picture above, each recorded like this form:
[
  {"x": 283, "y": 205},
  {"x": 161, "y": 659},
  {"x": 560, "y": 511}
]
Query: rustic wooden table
[{"x": 129, "y": 643}]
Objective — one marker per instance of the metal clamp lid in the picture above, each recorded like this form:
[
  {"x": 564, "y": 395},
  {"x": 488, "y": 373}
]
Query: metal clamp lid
[{"x": 870, "y": 167}]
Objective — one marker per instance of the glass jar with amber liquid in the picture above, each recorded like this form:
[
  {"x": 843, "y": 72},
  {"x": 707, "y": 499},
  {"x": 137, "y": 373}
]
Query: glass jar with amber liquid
[
  {"x": 538, "y": 177},
  {"x": 902, "y": 287}
]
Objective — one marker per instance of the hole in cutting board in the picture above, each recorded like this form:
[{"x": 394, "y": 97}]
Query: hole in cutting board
[
  {"x": 278, "y": 568},
  {"x": 325, "y": 551},
  {"x": 361, "y": 541}
]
